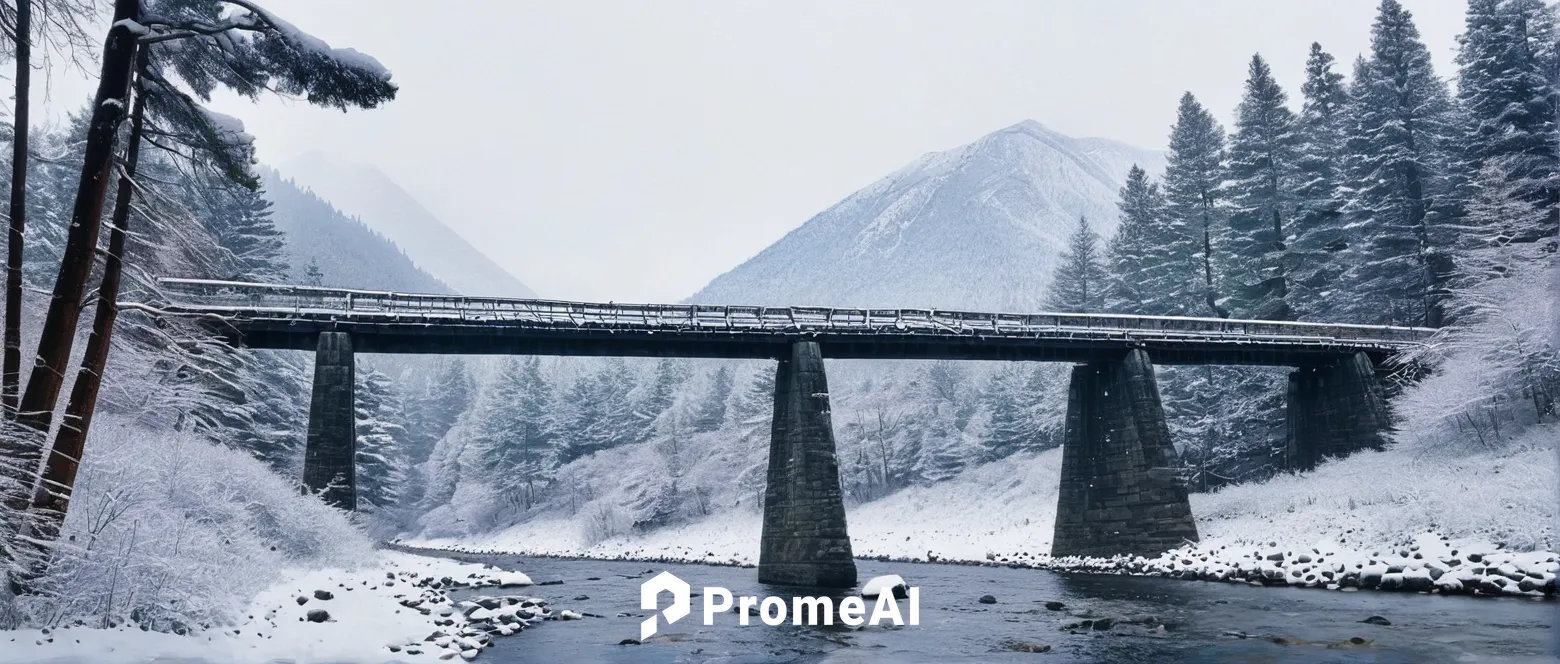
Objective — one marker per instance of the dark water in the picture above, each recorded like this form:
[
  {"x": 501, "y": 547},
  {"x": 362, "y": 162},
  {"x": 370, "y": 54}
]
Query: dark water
[{"x": 1199, "y": 619}]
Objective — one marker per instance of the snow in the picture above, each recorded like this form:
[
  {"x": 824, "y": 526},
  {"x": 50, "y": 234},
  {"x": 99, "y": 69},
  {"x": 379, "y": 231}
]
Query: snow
[
  {"x": 1366, "y": 513},
  {"x": 367, "y": 618},
  {"x": 513, "y": 579},
  {"x": 312, "y": 44},
  {"x": 878, "y": 585}
]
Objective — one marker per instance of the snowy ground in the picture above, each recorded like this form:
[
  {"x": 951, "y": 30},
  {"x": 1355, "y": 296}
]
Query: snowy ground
[
  {"x": 382, "y": 611},
  {"x": 1346, "y": 518}
]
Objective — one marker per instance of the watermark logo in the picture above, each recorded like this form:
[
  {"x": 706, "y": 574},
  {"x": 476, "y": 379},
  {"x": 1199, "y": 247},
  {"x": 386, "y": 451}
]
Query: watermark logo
[
  {"x": 772, "y": 611},
  {"x": 650, "y": 591}
]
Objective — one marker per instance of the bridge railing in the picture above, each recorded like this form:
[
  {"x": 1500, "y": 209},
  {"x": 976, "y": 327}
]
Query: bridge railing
[{"x": 242, "y": 299}]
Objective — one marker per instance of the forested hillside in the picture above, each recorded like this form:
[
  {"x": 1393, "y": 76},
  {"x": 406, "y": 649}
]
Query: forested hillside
[{"x": 1376, "y": 193}]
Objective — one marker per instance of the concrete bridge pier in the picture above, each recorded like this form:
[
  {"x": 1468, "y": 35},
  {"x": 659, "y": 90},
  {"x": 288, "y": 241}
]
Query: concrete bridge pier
[
  {"x": 804, "y": 542},
  {"x": 329, "y": 463},
  {"x": 1334, "y": 410},
  {"x": 1120, "y": 492}
]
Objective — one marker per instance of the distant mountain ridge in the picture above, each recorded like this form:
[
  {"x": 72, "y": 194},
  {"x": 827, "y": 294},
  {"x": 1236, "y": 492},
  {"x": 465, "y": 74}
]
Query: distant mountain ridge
[
  {"x": 367, "y": 193},
  {"x": 346, "y": 251},
  {"x": 976, "y": 227}
]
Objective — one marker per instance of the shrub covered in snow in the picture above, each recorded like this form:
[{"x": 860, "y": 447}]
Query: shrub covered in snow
[{"x": 171, "y": 532}]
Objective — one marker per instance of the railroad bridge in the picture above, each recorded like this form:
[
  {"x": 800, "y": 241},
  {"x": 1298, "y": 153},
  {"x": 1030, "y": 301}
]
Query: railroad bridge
[{"x": 1120, "y": 492}]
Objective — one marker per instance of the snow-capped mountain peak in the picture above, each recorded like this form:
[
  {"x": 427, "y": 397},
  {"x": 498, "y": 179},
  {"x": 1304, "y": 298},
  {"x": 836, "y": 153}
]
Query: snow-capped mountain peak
[{"x": 977, "y": 226}]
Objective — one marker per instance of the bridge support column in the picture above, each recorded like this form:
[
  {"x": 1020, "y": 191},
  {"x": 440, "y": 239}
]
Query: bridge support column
[
  {"x": 1334, "y": 410},
  {"x": 805, "y": 542},
  {"x": 329, "y": 463},
  {"x": 1120, "y": 492}
]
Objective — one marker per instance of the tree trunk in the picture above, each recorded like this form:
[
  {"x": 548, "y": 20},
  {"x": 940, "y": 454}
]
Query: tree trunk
[
  {"x": 11, "y": 365},
  {"x": 51, "y": 500},
  {"x": 59, "y": 326}
]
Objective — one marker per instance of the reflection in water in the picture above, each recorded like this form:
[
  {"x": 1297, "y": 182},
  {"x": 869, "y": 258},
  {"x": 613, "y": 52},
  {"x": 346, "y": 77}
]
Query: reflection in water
[{"x": 1103, "y": 619}]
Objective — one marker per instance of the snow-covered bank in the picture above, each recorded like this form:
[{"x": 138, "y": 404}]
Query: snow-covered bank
[
  {"x": 1351, "y": 518},
  {"x": 394, "y": 607}
]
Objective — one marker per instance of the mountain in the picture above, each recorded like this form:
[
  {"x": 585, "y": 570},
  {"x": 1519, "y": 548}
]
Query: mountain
[
  {"x": 347, "y": 252},
  {"x": 367, "y": 193},
  {"x": 976, "y": 227}
]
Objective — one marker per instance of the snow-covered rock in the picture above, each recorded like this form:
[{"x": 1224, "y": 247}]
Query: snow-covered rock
[{"x": 888, "y": 583}]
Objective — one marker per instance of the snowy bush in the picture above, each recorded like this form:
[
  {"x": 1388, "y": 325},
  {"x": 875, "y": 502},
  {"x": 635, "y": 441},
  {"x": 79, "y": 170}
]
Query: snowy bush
[
  {"x": 169, "y": 531},
  {"x": 1495, "y": 372}
]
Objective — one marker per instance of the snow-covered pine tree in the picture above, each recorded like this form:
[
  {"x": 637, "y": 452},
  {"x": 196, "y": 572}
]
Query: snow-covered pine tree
[
  {"x": 596, "y": 413},
  {"x": 1132, "y": 260},
  {"x": 1188, "y": 283},
  {"x": 1320, "y": 228},
  {"x": 382, "y": 465},
  {"x": 943, "y": 450},
  {"x": 666, "y": 379},
  {"x": 1507, "y": 86},
  {"x": 240, "y": 219},
  {"x": 1009, "y": 427},
  {"x": 711, "y": 413},
  {"x": 1079, "y": 282},
  {"x": 447, "y": 395},
  {"x": 758, "y": 399},
  {"x": 1261, "y": 195},
  {"x": 512, "y": 431},
  {"x": 1400, "y": 156}
]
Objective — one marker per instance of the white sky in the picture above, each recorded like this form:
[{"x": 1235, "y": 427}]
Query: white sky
[{"x": 632, "y": 151}]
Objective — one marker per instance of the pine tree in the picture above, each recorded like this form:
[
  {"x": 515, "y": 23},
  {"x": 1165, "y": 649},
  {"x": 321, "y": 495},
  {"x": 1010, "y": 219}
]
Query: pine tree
[
  {"x": 596, "y": 413},
  {"x": 240, "y": 219},
  {"x": 447, "y": 395},
  {"x": 1009, "y": 428},
  {"x": 1261, "y": 194},
  {"x": 1507, "y": 86},
  {"x": 711, "y": 414},
  {"x": 512, "y": 431},
  {"x": 1078, "y": 284},
  {"x": 1403, "y": 125},
  {"x": 381, "y": 430},
  {"x": 1194, "y": 178},
  {"x": 1133, "y": 260},
  {"x": 758, "y": 400},
  {"x": 668, "y": 377},
  {"x": 1321, "y": 232},
  {"x": 942, "y": 449}
]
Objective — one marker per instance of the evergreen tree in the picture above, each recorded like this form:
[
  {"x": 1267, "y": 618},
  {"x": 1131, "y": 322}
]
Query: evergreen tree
[
  {"x": 446, "y": 396},
  {"x": 1320, "y": 227},
  {"x": 1194, "y": 178},
  {"x": 1009, "y": 428},
  {"x": 1507, "y": 86},
  {"x": 758, "y": 400},
  {"x": 596, "y": 413},
  {"x": 1262, "y": 164},
  {"x": 1078, "y": 284},
  {"x": 513, "y": 431},
  {"x": 668, "y": 377},
  {"x": 711, "y": 414},
  {"x": 1134, "y": 262},
  {"x": 942, "y": 449},
  {"x": 1403, "y": 124},
  {"x": 241, "y": 223},
  {"x": 381, "y": 461}
]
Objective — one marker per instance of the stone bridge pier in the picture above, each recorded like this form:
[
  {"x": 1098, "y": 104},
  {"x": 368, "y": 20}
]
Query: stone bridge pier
[
  {"x": 804, "y": 542},
  {"x": 329, "y": 457},
  {"x": 1120, "y": 491},
  {"x": 1334, "y": 409}
]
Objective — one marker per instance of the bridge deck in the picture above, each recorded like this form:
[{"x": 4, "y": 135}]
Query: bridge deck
[{"x": 291, "y": 317}]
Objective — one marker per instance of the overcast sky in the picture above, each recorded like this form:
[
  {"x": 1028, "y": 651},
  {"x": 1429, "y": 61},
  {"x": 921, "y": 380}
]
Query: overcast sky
[{"x": 635, "y": 150}]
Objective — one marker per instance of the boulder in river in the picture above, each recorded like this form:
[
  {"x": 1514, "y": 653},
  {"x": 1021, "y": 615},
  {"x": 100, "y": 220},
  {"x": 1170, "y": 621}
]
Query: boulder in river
[
  {"x": 323, "y": 595},
  {"x": 318, "y": 615},
  {"x": 1055, "y": 606},
  {"x": 1376, "y": 620},
  {"x": 988, "y": 599},
  {"x": 893, "y": 583}
]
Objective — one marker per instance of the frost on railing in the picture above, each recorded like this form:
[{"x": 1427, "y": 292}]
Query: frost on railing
[{"x": 240, "y": 300}]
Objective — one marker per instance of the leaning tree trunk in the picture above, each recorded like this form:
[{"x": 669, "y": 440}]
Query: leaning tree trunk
[
  {"x": 59, "y": 326},
  {"x": 52, "y": 498},
  {"x": 11, "y": 365}
]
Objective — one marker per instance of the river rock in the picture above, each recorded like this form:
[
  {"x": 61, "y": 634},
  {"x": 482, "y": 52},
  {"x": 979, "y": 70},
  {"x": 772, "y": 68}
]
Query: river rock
[
  {"x": 1055, "y": 606},
  {"x": 318, "y": 615},
  {"x": 323, "y": 595},
  {"x": 987, "y": 599},
  {"x": 1376, "y": 620}
]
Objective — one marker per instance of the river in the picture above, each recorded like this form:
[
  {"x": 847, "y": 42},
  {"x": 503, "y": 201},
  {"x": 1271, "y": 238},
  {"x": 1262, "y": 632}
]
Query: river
[{"x": 1202, "y": 621}]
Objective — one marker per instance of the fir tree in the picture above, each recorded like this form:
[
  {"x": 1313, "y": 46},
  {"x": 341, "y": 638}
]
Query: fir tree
[
  {"x": 240, "y": 220},
  {"x": 381, "y": 461},
  {"x": 1194, "y": 177},
  {"x": 711, "y": 414},
  {"x": 1506, "y": 82},
  {"x": 447, "y": 395},
  {"x": 1078, "y": 284},
  {"x": 668, "y": 377},
  {"x": 512, "y": 431},
  {"x": 1398, "y": 148},
  {"x": 1320, "y": 228},
  {"x": 1009, "y": 428},
  {"x": 1134, "y": 262},
  {"x": 1262, "y": 162},
  {"x": 758, "y": 400}
]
